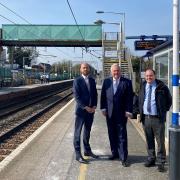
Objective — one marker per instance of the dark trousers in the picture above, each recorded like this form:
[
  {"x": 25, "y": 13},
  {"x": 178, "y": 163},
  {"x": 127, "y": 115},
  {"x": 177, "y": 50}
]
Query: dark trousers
[
  {"x": 118, "y": 137},
  {"x": 80, "y": 122},
  {"x": 154, "y": 129}
]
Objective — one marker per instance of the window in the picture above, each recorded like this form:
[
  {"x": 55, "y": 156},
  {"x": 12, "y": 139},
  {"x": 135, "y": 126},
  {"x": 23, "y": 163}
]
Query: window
[{"x": 161, "y": 68}]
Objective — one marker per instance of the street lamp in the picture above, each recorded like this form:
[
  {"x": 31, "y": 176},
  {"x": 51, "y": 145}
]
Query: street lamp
[
  {"x": 24, "y": 66},
  {"x": 120, "y": 39},
  {"x": 99, "y": 21},
  {"x": 70, "y": 69},
  {"x": 118, "y": 13},
  {"x": 122, "y": 30}
]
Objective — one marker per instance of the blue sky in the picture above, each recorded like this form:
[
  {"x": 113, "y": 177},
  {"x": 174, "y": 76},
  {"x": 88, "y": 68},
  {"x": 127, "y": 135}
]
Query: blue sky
[{"x": 143, "y": 17}]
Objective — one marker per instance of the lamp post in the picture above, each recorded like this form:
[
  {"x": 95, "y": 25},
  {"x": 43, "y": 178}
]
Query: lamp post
[
  {"x": 120, "y": 32},
  {"x": 117, "y": 13},
  {"x": 70, "y": 69},
  {"x": 24, "y": 66},
  {"x": 44, "y": 69},
  {"x": 174, "y": 130},
  {"x": 121, "y": 47}
]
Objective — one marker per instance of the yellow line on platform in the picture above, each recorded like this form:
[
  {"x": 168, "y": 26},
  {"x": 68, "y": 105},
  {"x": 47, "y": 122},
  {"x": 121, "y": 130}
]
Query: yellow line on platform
[{"x": 83, "y": 171}]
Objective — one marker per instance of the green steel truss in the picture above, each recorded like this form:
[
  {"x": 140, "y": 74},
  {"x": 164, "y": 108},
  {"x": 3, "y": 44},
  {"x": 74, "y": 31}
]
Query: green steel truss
[{"x": 60, "y": 35}]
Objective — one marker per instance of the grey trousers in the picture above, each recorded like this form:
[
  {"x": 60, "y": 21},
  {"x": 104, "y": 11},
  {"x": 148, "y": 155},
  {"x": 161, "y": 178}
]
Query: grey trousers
[{"x": 154, "y": 129}]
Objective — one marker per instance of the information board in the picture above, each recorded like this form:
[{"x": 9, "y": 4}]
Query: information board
[{"x": 147, "y": 44}]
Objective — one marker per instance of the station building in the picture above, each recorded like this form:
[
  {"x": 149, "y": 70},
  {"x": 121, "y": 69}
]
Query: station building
[{"x": 162, "y": 56}]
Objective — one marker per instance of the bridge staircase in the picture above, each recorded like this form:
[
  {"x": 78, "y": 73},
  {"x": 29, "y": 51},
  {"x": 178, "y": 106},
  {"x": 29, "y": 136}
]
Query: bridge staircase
[{"x": 112, "y": 53}]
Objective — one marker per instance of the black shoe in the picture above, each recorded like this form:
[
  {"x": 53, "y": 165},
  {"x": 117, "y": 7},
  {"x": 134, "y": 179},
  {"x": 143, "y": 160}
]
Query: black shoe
[
  {"x": 91, "y": 154},
  {"x": 82, "y": 160},
  {"x": 113, "y": 157},
  {"x": 149, "y": 163},
  {"x": 125, "y": 164},
  {"x": 161, "y": 167}
]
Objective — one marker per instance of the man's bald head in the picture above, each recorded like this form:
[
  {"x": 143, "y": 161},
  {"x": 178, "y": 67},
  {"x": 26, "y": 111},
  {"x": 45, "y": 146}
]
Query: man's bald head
[{"x": 85, "y": 69}]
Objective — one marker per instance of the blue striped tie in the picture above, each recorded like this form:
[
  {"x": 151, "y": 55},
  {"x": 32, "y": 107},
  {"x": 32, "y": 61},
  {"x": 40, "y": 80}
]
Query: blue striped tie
[{"x": 149, "y": 99}]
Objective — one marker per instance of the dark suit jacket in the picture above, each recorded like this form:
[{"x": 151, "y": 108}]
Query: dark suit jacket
[
  {"x": 121, "y": 102},
  {"x": 82, "y": 95}
]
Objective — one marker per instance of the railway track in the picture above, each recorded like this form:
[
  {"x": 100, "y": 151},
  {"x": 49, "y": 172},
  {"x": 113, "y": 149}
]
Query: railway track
[
  {"x": 15, "y": 132},
  {"x": 14, "y": 107}
]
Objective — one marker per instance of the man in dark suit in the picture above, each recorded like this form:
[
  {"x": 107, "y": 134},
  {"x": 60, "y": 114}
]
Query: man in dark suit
[
  {"x": 85, "y": 93},
  {"x": 154, "y": 102},
  {"x": 116, "y": 106}
]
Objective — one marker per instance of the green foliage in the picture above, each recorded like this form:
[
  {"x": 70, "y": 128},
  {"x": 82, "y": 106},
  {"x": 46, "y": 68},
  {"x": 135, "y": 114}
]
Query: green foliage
[
  {"x": 17, "y": 54},
  {"x": 136, "y": 68},
  {"x": 148, "y": 63},
  {"x": 136, "y": 63},
  {"x": 67, "y": 66}
]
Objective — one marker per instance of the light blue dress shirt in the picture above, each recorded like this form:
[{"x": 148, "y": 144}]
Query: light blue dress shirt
[
  {"x": 115, "y": 84},
  {"x": 153, "y": 101}
]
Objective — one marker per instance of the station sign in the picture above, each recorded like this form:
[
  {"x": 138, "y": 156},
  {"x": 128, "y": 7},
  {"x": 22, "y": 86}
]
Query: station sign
[
  {"x": 111, "y": 61},
  {"x": 147, "y": 44},
  {"x": 111, "y": 53}
]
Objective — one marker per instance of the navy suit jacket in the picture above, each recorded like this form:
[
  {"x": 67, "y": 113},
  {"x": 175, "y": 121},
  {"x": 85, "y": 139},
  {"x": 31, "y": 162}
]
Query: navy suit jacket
[
  {"x": 82, "y": 95},
  {"x": 121, "y": 101}
]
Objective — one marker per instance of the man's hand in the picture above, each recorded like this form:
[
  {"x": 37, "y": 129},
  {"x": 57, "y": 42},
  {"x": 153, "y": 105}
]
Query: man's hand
[
  {"x": 93, "y": 109},
  {"x": 104, "y": 113},
  {"x": 128, "y": 115},
  {"x": 89, "y": 109}
]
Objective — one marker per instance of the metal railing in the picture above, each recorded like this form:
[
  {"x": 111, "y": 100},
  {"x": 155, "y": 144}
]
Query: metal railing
[{"x": 111, "y": 36}]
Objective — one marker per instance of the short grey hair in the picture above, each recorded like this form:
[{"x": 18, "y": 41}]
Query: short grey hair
[{"x": 115, "y": 65}]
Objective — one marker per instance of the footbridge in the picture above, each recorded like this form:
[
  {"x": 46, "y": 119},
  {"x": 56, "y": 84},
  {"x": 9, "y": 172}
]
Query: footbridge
[
  {"x": 69, "y": 36},
  {"x": 51, "y": 35}
]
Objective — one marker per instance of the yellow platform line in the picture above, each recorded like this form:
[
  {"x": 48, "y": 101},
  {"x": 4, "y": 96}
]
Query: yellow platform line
[
  {"x": 138, "y": 127},
  {"x": 83, "y": 170}
]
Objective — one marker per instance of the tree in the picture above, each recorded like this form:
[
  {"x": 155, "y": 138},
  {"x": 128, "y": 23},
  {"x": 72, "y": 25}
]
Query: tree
[
  {"x": 148, "y": 63},
  {"x": 16, "y": 54},
  {"x": 136, "y": 63},
  {"x": 66, "y": 66}
]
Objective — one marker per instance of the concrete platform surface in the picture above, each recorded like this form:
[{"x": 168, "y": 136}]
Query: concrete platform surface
[
  {"x": 7, "y": 90},
  {"x": 50, "y": 155}
]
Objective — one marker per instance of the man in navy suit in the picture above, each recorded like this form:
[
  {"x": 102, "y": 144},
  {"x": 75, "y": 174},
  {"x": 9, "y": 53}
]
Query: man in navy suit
[
  {"x": 116, "y": 106},
  {"x": 85, "y": 93}
]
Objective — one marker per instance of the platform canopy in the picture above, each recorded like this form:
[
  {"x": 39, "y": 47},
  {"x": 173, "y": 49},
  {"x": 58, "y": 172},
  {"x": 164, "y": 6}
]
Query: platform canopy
[{"x": 52, "y": 35}]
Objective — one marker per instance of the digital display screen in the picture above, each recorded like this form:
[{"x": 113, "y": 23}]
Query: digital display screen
[{"x": 147, "y": 44}]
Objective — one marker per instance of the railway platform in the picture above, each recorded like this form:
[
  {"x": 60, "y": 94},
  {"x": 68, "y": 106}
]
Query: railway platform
[
  {"x": 8, "y": 90},
  {"x": 48, "y": 154}
]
